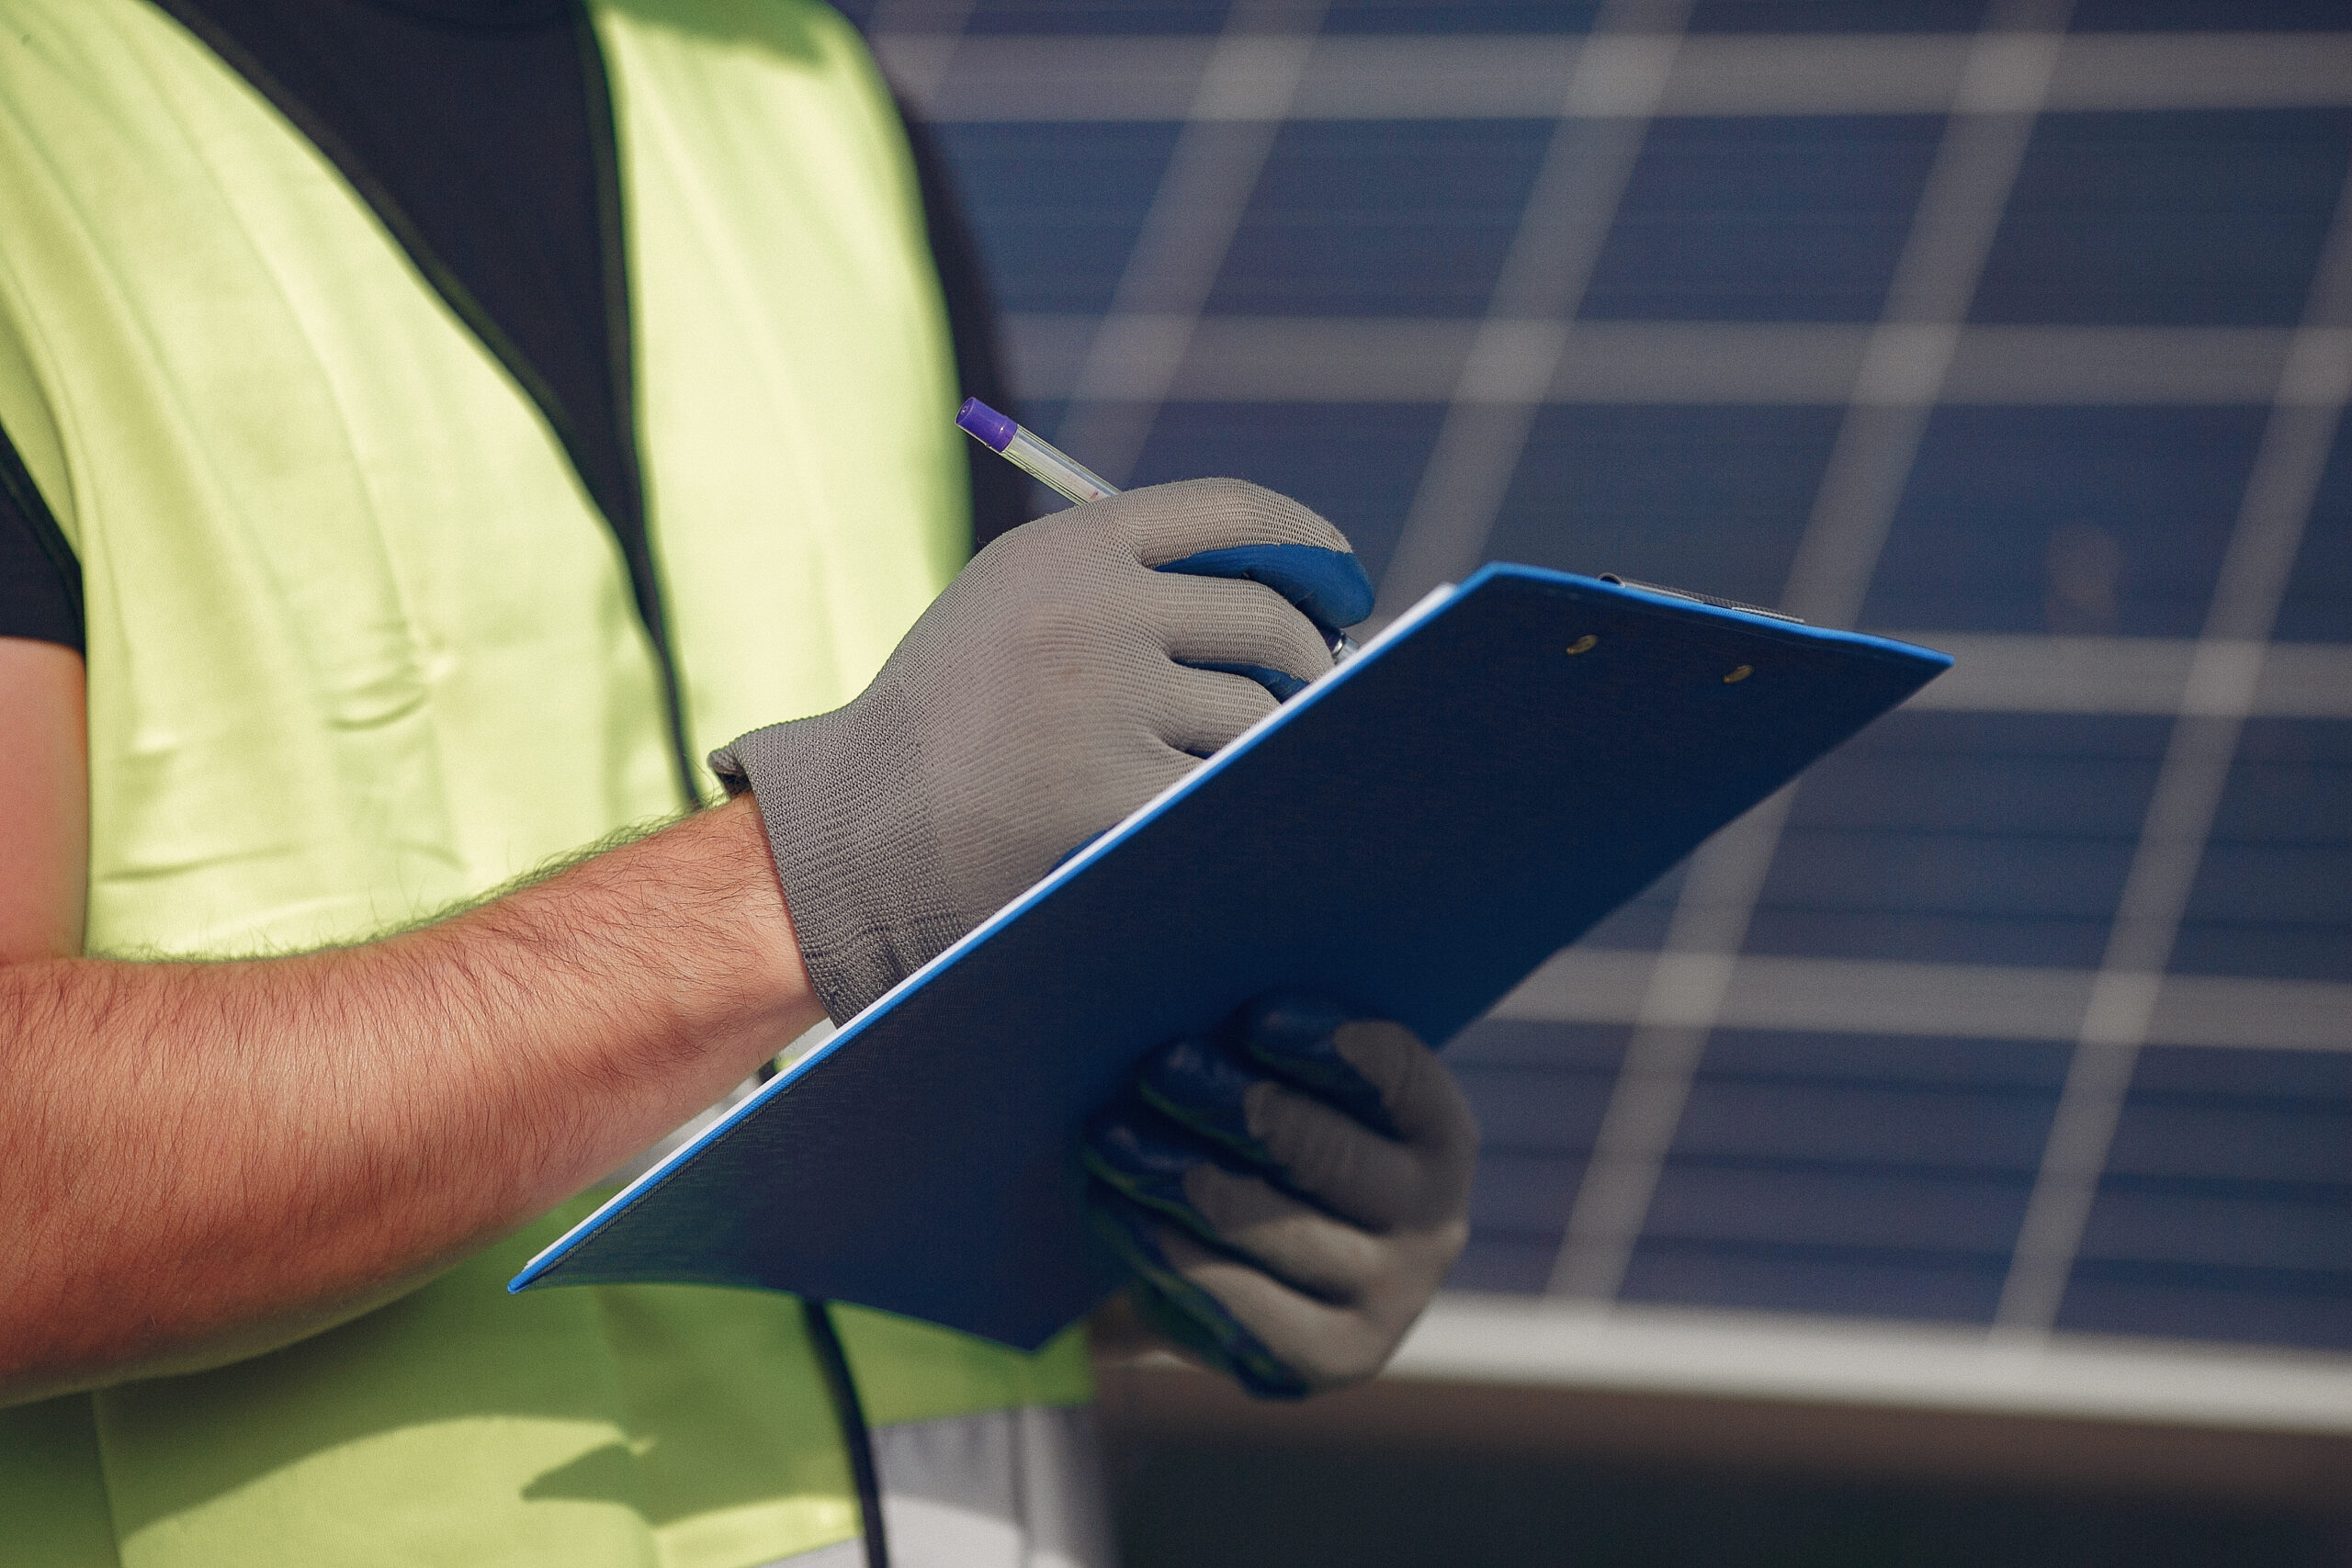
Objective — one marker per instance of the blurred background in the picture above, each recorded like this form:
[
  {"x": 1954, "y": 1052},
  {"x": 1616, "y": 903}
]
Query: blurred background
[{"x": 1953, "y": 1163}]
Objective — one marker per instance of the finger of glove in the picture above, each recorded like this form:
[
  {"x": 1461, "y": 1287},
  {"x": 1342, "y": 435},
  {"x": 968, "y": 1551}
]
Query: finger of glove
[
  {"x": 1180, "y": 1309},
  {"x": 1098, "y": 800},
  {"x": 1291, "y": 1033},
  {"x": 1421, "y": 1095},
  {"x": 1201, "y": 1088},
  {"x": 1136, "y": 1152},
  {"x": 1295, "y": 1242},
  {"x": 1338, "y": 1162},
  {"x": 1322, "y": 1345},
  {"x": 1135, "y": 776},
  {"x": 1208, "y": 707},
  {"x": 1166, "y": 523},
  {"x": 1149, "y": 778},
  {"x": 1220, "y": 621}
]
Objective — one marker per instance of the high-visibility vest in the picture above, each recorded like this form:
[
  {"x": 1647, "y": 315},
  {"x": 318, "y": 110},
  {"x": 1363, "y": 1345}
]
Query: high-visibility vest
[{"x": 359, "y": 646}]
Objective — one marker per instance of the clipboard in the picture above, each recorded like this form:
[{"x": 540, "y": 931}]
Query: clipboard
[{"x": 1413, "y": 835}]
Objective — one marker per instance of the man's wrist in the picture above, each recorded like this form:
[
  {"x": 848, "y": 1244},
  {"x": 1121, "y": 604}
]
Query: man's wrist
[{"x": 775, "y": 969}]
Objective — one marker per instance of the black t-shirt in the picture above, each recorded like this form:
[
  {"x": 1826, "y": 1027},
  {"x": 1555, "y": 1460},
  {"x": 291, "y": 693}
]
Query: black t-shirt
[{"x": 479, "y": 131}]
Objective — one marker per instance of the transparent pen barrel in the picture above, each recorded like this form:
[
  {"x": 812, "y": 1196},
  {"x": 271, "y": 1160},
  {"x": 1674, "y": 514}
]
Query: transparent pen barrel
[{"x": 1055, "y": 471}]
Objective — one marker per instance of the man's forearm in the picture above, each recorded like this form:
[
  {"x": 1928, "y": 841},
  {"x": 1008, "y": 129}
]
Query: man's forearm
[{"x": 209, "y": 1161}]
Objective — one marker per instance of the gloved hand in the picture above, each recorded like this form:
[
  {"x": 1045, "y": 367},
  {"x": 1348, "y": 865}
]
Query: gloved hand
[
  {"x": 1290, "y": 1195},
  {"x": 1076, "y": 667}
]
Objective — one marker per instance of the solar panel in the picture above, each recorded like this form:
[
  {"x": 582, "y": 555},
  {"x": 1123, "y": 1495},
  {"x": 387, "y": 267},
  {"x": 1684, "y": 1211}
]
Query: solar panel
[{"x": 2031, "y": 1009}]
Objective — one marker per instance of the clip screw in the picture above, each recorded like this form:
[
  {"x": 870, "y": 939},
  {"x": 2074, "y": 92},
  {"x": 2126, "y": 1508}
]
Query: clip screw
[
  {"x": 1583, "y": 644},
  {"x": 1742, "y": 673}
]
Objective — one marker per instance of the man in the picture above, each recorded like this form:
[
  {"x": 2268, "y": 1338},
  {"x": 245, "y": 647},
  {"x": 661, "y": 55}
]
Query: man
[{"x": 431, "y": 427}]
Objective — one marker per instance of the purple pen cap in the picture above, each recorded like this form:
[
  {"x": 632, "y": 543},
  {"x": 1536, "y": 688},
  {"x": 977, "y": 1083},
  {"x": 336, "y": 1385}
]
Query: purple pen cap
[{"x": 985, "y": 425}]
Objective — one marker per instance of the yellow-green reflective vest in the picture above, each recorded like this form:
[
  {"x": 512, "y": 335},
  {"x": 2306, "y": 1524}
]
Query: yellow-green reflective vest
[{"x": 359, "y": 646}]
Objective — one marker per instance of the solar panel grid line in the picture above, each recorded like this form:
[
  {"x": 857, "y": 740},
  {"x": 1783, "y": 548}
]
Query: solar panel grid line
[
  {"x": 2279, "y": 496},
  {"x": 1244, "y": 91},
  {"x": 1934, "y": 282},
  {"x": 1681, "y": 998},
  {"x": 1907, "y": 356},
  {"x": 918, "y": 39},
  {"x": 1373, "y": 359},
  {"x": 1518, "y": 348},
  {"x": 1933, "y": 1000},
  {"x": 2113, "y": 73},
  {"x": 1998, "y": 673},
  {"x": 994, "y": 80},
  {"x": 2107, "y": 366},
  {"x": 1619, "y": 1179},
  {"x": 2227, "y": 1011}
]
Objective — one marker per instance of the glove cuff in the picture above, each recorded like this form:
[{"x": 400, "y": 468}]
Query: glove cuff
[{"x": 853, "y": 850}]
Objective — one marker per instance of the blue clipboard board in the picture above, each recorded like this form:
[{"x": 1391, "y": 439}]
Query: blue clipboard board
[{"x": 1413, "y": 834}]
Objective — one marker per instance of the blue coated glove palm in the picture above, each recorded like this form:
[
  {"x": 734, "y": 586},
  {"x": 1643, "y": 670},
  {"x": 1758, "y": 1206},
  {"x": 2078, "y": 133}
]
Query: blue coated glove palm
[{"x": 1289, "y": 1195}]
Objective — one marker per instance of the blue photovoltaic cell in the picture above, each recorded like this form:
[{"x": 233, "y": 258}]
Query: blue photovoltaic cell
[
  {"x": 1924, "y": 1063},
  {"x": 2227, "y": 1208},
  {"x": 1836, "y": 15},
  {"x": 2237, "y": 1134},
  {"x": 2269, "y": 894},
  {"x": 2206, "y": 16},
  {"x": 1750, "y": 1209},
  {"x": 2269, "y": 909},
  {"x": 2319, "y": 1081},
  {"x": 2042, "y": 776},
  {"x": 2318, "y": 607},
  {"x": 1641, "y": 924},
  {"x": 2079, "y": 520},
  {"x": 1731, "y": 1120},
  {"x": 1381, "y": 219},
  {"x": 1519, "y": 1209},
  {"x": 1043, "y": 415},
  {"x": 1356, "y": 463},
  {"x": 1963, "y": 838},
  {"x": 1515, "y": 1264},
  {"x": 1939, "y": 898},
  {"x": 1449, "y": 16},
  {"x": 1763, "y": 219},
  {"x": 1856, "y": 1174},
  {"x": 1065, "y": 217},
  {"x": 1823, "y": 1172},
  {"x": 2294, "y": 1307},
  {"x": 1538, "y": 1087},
  {"x": 1708, "y": 499},
  {"x": 1535, "y": 1107},
  {"x": 1962, "y": 1285},
  {"x": 1088, "y": 17},
  {"x": 2207, "y": 219},
  {"x": 1539, "y": 1091}
]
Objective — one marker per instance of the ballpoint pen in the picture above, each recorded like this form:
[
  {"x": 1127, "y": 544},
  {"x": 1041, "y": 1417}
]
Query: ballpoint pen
[
  {"x": 1041, "y": 460},
  {"x": 1058, "y": 472}
]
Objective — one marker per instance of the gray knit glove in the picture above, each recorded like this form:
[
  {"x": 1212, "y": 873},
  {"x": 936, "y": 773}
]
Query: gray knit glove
[{"x": 1051, "y": 688}]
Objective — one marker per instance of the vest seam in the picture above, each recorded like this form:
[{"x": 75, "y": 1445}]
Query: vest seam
[
  {"x": 620, "y": 350},
  {"x": 644, "y": 581}
]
